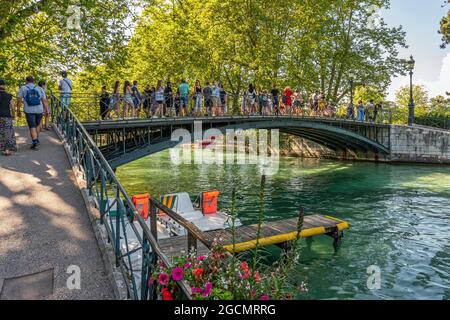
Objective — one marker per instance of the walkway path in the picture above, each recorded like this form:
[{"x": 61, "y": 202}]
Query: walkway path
[{"x": 45, "y": 227}]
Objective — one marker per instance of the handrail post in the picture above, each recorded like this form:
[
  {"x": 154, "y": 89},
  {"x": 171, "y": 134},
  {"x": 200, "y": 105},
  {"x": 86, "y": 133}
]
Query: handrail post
[
  {"x": 192, "y": 243},
  {"x": 118, "y": 216},
  {"x": 153, "y": 226}
]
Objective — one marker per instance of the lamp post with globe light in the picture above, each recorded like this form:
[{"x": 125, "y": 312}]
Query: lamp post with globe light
[{"x": 411, "y": 65}]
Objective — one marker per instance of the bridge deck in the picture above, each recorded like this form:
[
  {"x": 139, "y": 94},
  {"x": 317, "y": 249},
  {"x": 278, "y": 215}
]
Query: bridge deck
[
  {"x": 272, "y": 233},
  {"x": 45, "y": 227},
  {"x": 155, "y": 122}
]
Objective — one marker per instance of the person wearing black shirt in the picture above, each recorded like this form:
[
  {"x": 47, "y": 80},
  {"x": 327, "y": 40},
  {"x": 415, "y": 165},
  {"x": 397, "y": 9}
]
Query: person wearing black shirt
[
  {"x": 207, "y": 94},
  {"x": 168, "y": 98},
  {"x": 7, "y": 136},
  {"x": 104, "y": 103},
  {"x": 223, "y": 99},
  {"x": 275, "y": 98},
  {"x": 147, "y": 101}
]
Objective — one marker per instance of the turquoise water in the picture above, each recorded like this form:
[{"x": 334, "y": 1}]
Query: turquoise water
[{"x": 399, "y": 216}]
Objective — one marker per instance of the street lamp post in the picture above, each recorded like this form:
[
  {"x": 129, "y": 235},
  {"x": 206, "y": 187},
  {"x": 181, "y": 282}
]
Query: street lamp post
[
  {"x": 411, "y": 64},
  {"x": 352, "y": 80}
]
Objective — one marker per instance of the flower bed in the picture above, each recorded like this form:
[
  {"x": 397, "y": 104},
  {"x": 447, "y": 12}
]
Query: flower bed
[{"x": 213, "y": 277}]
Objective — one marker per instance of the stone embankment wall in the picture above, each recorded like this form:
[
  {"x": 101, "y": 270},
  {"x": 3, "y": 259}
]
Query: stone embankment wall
[
  {"x": 420, "y": 144},
  {"x": 407, "y": 144}
]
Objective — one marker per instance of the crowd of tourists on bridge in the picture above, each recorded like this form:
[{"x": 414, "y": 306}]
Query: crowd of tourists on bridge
[
  {"x": 127, "y": 101},
  {"x": 211, "y": 99}
]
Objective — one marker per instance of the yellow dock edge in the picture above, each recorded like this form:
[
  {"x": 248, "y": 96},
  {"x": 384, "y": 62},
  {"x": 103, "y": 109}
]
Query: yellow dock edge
[
  {"x": 267, "y": 241},
  {"x": 342, "y": 225}
]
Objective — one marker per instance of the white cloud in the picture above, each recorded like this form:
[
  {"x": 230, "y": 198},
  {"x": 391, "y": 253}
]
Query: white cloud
[{"x": 434, "y": 87}]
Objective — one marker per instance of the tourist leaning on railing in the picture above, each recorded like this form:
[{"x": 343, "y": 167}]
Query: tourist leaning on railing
[
  {"x": 114, "y": 101},
  {"x": 198, "y": 92},
  {"x": 159, "y": 99},
  {"x": 168, "y": 99},
  {"x": 104, "y": 103},
  {"x": 184, "y": 97},
  {"x": 7, "y": 136},
  {"x": 65, "y": 88}
]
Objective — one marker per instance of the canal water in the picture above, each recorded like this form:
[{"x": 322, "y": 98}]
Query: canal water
[{"x": 399, "y": 217}]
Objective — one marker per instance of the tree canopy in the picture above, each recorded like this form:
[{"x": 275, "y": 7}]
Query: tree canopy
[
  {"x": 41, "y": 38},
  {"x": 311, "y": 44}
]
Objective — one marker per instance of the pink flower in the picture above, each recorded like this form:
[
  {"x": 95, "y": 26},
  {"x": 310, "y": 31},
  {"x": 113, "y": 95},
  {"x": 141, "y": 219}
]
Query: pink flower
[
  {"x": 201, "y": 258},
  {"x": 150, "y": 280},
  {"x": 177, "y": 274},
  {"x": 244, "y": 267},
  {"x": 162, "y": 278},
  {"x": 264, "y": 297},
  {"x": 245, "y": 270},
  {"x": 257, "y": 277},
  {"x": 208, "y": 289},
  {"x": 187, "y": 265}
]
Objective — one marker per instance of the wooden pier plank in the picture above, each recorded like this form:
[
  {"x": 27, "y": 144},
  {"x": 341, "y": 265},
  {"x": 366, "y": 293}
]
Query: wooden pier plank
[{"x": 177, "y": 246}]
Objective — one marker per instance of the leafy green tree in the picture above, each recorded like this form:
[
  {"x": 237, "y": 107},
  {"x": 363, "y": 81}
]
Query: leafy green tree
[
  {"x": 36, "y": 37},
  {"x": 440, "y": 106},
  {"x": 367, "y": 93},
  {"x": 309, "y": 45},
  {"x": 420, "y": 96},
  {"x": 342, "y": 40},
  {"x": 445, "y": 30}
]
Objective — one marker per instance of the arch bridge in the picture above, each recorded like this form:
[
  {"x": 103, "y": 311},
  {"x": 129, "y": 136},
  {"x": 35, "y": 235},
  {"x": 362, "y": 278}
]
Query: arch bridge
[{"x": 124, "y": 141}]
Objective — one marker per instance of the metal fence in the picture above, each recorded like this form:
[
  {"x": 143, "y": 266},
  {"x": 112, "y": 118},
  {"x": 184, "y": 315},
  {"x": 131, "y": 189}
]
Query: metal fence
[
  {"x": 437, "y": 122},
  {"x": 134, "y": 243}
]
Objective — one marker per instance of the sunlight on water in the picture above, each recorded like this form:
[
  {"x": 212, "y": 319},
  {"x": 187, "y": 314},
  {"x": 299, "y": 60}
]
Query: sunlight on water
[
  {"x": 434, "y": 182},
  {"x": 399, "y": 216}
]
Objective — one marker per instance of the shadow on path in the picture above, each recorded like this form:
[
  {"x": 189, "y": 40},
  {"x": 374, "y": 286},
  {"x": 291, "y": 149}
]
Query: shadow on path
[{"x": 44, "y": 223}]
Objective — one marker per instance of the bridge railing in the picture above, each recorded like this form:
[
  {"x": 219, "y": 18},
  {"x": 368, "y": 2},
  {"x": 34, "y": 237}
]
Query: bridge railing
[
  {"x": 126, "y": 230},
  {"x": 87, "y": 107},
  {"x": 436, "y": 122}
]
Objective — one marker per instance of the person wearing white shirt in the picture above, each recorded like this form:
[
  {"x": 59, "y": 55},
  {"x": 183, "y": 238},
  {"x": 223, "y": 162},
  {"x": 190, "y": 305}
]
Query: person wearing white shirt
[{"x": 65, "y": 89}]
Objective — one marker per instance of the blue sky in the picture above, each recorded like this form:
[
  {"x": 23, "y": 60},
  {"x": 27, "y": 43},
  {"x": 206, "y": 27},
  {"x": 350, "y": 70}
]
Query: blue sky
[{"x": 420, "y": 19}]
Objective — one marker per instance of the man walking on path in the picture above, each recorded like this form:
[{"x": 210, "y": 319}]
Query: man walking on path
[
  {"x": 34, "y": 99},
  {"x": 65, "y": 89}
]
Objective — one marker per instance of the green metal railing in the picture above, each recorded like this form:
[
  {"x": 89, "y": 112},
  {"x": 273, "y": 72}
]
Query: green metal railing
[
  {"x": 109, "y": 196},
  {"x": 437, "y": 122}
]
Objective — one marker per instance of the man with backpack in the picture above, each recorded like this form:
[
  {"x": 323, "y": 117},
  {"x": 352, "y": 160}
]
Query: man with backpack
[
  {"x": 34, "y": 99},
  {"x": 65, "y": 89}
]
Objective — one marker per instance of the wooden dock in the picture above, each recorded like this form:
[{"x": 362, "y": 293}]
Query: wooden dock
[{"x": 271, "y": 233}]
